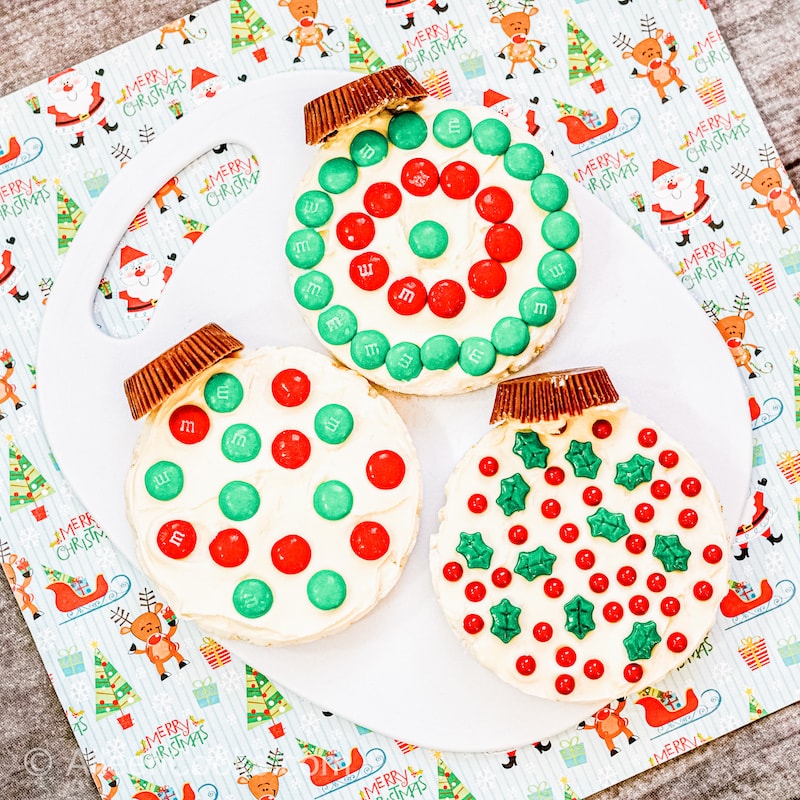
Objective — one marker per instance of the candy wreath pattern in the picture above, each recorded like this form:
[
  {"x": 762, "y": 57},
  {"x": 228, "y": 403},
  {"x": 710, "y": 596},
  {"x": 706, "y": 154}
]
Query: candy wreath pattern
[{"x": 439, "y": 248}]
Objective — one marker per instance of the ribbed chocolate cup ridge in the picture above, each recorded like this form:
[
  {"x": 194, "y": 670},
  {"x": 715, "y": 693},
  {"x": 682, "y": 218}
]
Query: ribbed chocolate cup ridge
[
  {"x": 553, "y": 395},
  {"x": 155, "y": 381},
  {"x": 326, "y": 114}
]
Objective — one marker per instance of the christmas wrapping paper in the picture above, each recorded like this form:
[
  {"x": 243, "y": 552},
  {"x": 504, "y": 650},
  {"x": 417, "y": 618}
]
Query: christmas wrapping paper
[{"x": 620, "y": 124}]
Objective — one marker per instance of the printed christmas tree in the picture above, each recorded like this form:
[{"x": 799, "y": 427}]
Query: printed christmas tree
[
  {"x": 113, "y": 694},
  {"x": 27, "y": 484},
  {"x": 248, "y": 28},
  {"x": 449, "y": 784},
  {"x": 569, "y": 794},
  {"x": 796, "y": 382},
  {"x": 194, "y": 229},
  {"x": 362, "y": 57},
  {"x": 77, "y": 582},
  {"x": 70, "y": 218},
  {"x": 264, "y": 701},
  {"x": 334, "y": 757},
  {"x": 757, "y": 711},
  {"x": 144, "y": 785},
  {"x": 584, "y": 58}
]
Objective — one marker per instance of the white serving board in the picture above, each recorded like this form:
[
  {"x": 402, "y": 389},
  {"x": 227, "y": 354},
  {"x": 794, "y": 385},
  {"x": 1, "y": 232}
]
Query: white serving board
[{"x": 401, "y": 670}]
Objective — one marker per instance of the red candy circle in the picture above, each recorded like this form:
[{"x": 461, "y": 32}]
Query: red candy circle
[
  {"x": 487, "y": 278},
  {"x": 670, "y": 606},
  {"x": 229, "y": 548},
  {"x": 598, "y": 582},
  {"x": 494, "y": 204},
  {"x": 477, "y": 503},
  {"x": 703, "y": 590},
  {"x": 554, "y": 476},
  {"x": 626, "y": 576},
  {"x": 518, "y": 534},
  {"x": 452, "y": 570},
  {"x": 473, "y": 623},
  {"x": 592, "y": 496},
  {"x": 565, "y": 657},
  {"x": 369, "y": 271},
  {"x": 593, "y": 669},
  {"x": 291, "y": 554},
  {"x": 553, "y": 587},
  {"x": 459, "y": 180},
  {"x": 613, "y": 612},
  {"x": 382, "y": 199},
  {"x": 503, "y": 242},
  {"x": 602, "y": 429},
  {"x": 176, "y": 538},
  {"x": 691, "y": 487},
  {"x": 636, "y": 543},
  {"x": 488, "y": 466},
  {"x": 677, "y": 642},
  {"x": 660, "y": 490},
  {"x": 370, "y": 541},
  {"x": 639, "y": 605},
  {"x": 668, "y": 459},
  {"x": 633, "y": 673},
  {"x": 419, "y": 177},
  {"x": 189, "y": 424},
  {"x": 291, "y": 449},
  {"x": 501, "y": 577},
  {"x": 475, "y": 591},
  {"x": 656, "y": 582},
  {"x": 568, "y": 532},
  {"x": 565, "y": 684},
  {"x": 712, "y": 554},
  {"x": 386, "y": 469},
  {"x": 551, "y": 508},
  {"x": 687, "y": 518},
  {"x": 584, "y": 559},
  {"x": 647, "y": 437},
  {"x": 355, "y": 230},
  {"x": 291, "y": 387},
  {"x": 526, "y": 665},
  {"x": 407, "y": 296},
  {"x": 644, "y": 512},
  {"x": 542, "y": 631},
  {"x": 446, "y": 298}
]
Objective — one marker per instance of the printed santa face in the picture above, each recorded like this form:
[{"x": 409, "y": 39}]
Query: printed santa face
[
  {"x": 141, "y": 274},
  {"x": 675, "y": 190},
  {"x": 70, "y": 92},
  {"x": 206, "y": 85}
]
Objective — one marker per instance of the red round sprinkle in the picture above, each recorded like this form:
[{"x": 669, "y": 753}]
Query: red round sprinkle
[
  {"x": 291, "y": 554},
  {"x": 382, "y": 199},
  {"x": 553, "y": 587},
  {"x": 355, "y": 230},
  {"x": 691, "y": 487},
  {"x": 176, "y": 538},
  {"x": 703, "y": 590},
  {"x": 676, "y": 642},
  {"x": 189, "y": 424},
  {"x": 518, "y": 534},
  {"x": 459, "y": 180},
  {"x": 626, "y": 576},
  {"x": 473, "y": 623},
  {"x": 712, "y": 554},
  {"x": 647, "y": 437},
  {"x": 554, "y": 476},
  {"x": 639, "y": 605},
  {"x": 602, "y": 429},
  {"x": 487, "y": 278},
  {"x": 542, "y": 631},
  {"x": 477, "y": 503},
  {"x": 670, "y": 606},
  {"x": 613, "y": 612},
  {"x": 370, "y": 541},
  {"x": 452, "y": 571},
  {"x": 592, "y": 496},
  {"x": 501, "y": 577},
  {"x": 229, "y": 548},
  {"x": 593, "y": 669},
  {"x": 407, "y": 296},
  {"x": 584, "y": 559},
  {"x": 503, "y": 242},
  {"x": 551, "y": 508},
  {"x": 488, "y": 466},
  {"x": 644, "y": 512},
  {"x": 598, "y": 582},
  {"x": 386, "y": 469},
  {"x": 494, "y": 204},
  {"x": 419, "y": 177},
  {"x": 565, "y": 684},
  {"x": 636, "y": 543},
  {"x": 291, "y": 449},
  {"x": 633, "y": 673},
  {"x": 526, "y": 665},
  {"x": 565, "y": 656},
  {"x": 656, "y": 582},
  {"x": 568, "y": 532},
  {"x": 369, "y": 271},
  {"x": 668, "y": 459},
  {"x": 687, "y": 518},
  {"x": 291, "y": 387},
  {"x": 475, "y": 591},
  {"x": 660, "y": 490},
  {"x": 446, "y": 298}
]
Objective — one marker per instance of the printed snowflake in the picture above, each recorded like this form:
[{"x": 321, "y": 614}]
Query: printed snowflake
[
  {"x": 82, "y": 691},
  {"x": 774, "y": 562},
  {"x": 28, "y": 536},
  {"x": 309, "y": 722},
  {"x": 607, "y": 776},
  {"x": 106, "y": 559},
  {"x": 46, "y": 639},
  {"x": 69, "y": 163},
  {"x": 669, "y": 121},
  {"x": 639, "y": 91},
  {"x": 167, "y": 228},
  {"x": 6, "y": 115},
  {"x": 27, "y": 422},
  {"x": 776, "y": 321},
  {"x": 164, "y": 700},
  {"x": 230, "y": 680},
  {"x": 486, "y": 781},
  {"x": 215, "y": 51},
  {"x": 35, "y": 227},
  {"x": 217, "y": 757},
  {"x": 485, "y": 37},
  {"x": 761, "y": 232},
  {"x": 29, "y": 319},
  {"x": 114, "y": 750},
  {"x": 722, "y": 672}
]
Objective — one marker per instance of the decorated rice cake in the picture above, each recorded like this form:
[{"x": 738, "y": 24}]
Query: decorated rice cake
[
  {"x": 433, "y": 247},
  {"x": 274, "y": 495},
  {"x": 581, "y": 552}
]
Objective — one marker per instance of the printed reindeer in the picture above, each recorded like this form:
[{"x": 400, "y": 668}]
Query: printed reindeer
[
  {"x": 178, "y": 26},
  {"x": 309, "y": 32},
  {"x": 609, "y": 723},
  {"x": 648, "y": 52},
  {"x": 147, "y": 628},
  {"x": 10, "y": 561},
  {"x": 732, "y": 329},
  {"x": 516, "y": 26},
  {"x": 768, "y": 183},
  {"x": 7, "y": 389},
  {"x": 262, "y": 785}
]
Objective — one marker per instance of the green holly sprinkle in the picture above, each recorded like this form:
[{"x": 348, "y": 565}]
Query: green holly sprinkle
[
  {"x": 585, "y": 462},
  {"x": 579, "y": 616},
  {"x": 528, "y": 446},
  {"x": 671, "y": 553},
  {"x": 477, "y": 553},
  {"x": 535, "y": 563},
  {"x": 639, "y": 643},
  {"x": 634, "y": 471},
  {"x": 608, "y": 524},
  {"x": 505, "y": 620},
  {"x": 513, "y": 492}
]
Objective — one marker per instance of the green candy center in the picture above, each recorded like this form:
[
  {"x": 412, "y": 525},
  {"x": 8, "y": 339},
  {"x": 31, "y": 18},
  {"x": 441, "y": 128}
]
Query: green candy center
[
  {"x": 164, "y": 480},
  {"x": 333, "y": 500},
  {"x": 333, "y": 423},
  {"x": 326, "y": 590},
  {"x": 252, "y": 598},
  {"x": 223, "y": 392},
  {"x": 407, "y": 130},
  {"x": 428, "y": 239},
  {"x": 239, "y": 500},
  {"x": 240, "y": 442},
  {"x": 452, "y": 127}
]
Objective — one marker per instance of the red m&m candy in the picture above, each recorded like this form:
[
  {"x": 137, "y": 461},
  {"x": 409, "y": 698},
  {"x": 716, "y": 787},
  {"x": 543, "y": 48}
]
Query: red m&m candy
[
  {"x": 407, "y": 296},
  {"x": 382, "y": 199},
  {"x": 369, "y": 271},
  {"x": 291, "y": 387},
  {"x": 459, "y": 180},
  {"x": 446, "y": 298},
  {"x": 503, "y": 242},
  {"x": 486, "y": 278},
  {"x": 229, "y": 548},
  {"x": 355, "y": 230},
  {"x": 386, "y": 469},
  {"x": 419, "y": 177},
  {"x": 291, "y": 554},
  {"x": 494, "y": 204},
  {"x": 176, "y": 538},
  {"x": 189, "y": 424},
  {"x": 370, "y": 541}
]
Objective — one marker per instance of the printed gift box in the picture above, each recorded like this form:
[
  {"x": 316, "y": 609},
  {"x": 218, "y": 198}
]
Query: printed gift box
[
  {"x": 761, "y": 277},
  {"x": 437, "y": 83},
  {"x": 95, "y": 181},
  {"x": 214, "y": 653},
  {"x": 754, "y": 651},
  {"x": 205, "y": 692},
  {"x": 71, "y": 661},
  {"x": 790, "y": 259},
  {"x": 789, "y": 651},
  {"x": 711, "y": 92},
  {"x": 540, "y": 792},
  {"x": 573, "y": 752},
  {"x": 472, "y": 65},
  {"x": 789, "y": 465}
]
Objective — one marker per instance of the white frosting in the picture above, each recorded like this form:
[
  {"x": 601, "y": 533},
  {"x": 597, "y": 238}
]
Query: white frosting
[
  {"x": 466, "y": 230},
  {"x": 198, "y": 588},
  {"x": 605, "y": 642}
]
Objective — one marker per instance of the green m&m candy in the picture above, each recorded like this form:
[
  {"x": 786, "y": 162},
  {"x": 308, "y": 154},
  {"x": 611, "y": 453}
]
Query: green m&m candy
[
  {"x": 240, "y": 443},
  {"x": 523, "y": 161},
  {"x": 368, "y": 148},
  {"x": 223, "y": 392},
  {"x": 510, "y": 336},
  {"x": 368, "y": 349},
  {"x": 477, "y": 355},
  {"x": 252, "y": 598},
  {"x": 333, "y": 423},
  {"x": 407, "y": 130},
  {"x": 439, "y": 352},
  {"x": 550, "y": 192},
  {"x": 164, "y": 480},
  {"x": 556, "y": 270},
  {"x": 326, "y": 590},
  {"x": 452, "y": 127},
  {"x": 304, "y": 248},
  {"x": 560, "y": 230},
  {"x": 313, "y": 290},
  {"x": 491, "y": 137},
  {"x": 239, "y": 500},
  {"x": 403, "y": 361},
  {"x": 428, "y": 239},
  {"x": 537, "y": 306},
  {"x": 337, "y": 325},
  {"x": 333, "y": 500},
  {"x": 313, "y": 208},
  {"x": 337, "y": 175}
]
